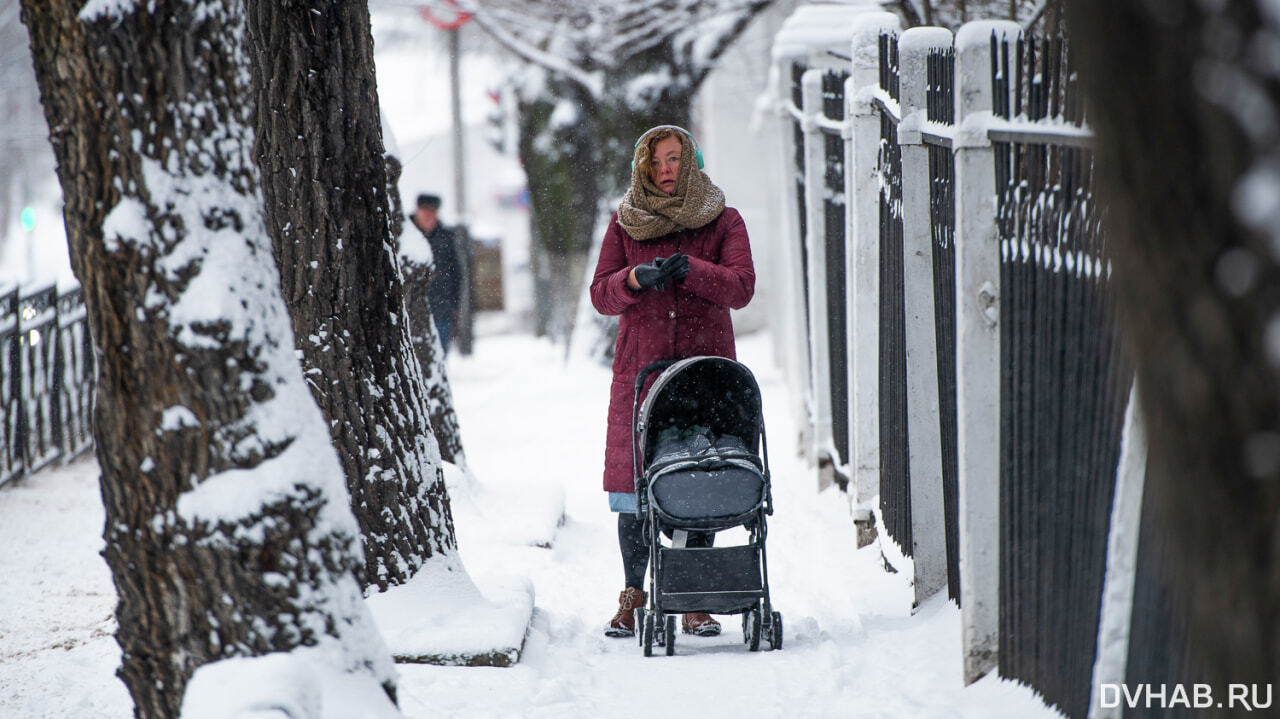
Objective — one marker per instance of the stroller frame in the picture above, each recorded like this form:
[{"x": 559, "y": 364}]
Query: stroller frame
[{"x": 683, "y": 579}]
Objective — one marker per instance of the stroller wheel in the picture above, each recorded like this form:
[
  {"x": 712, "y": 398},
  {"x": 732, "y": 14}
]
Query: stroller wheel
[
  {"x": 638, "y": 623},
  {"x": 648, "y": 634},
  {"x": 746, "y": 626},
  {"x": 775, "y": 631},
  {"x": 671, "y": 634},
  {"x": 753, "y": 639}
]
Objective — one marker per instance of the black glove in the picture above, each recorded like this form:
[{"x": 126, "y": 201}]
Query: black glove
[
  {"x": 676, "y": 266},
  {"x": 651, "y": 274}
]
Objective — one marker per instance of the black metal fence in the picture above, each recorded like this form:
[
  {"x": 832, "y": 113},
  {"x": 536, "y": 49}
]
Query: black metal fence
[
  {"x": 798, "y": 184},
  {"x": 46, "y": 380},
  {"x": 940, "y": 108},
  {"x": 1063, "y": 387},
  {"x": 1020, "y": 280},
  {"x": 895, "y": 480},
  {"x": 834, "y": 235}
]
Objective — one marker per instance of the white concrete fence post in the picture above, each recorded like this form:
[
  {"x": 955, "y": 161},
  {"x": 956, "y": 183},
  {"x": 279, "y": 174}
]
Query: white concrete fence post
[
  {"x": 816, "y": 250},
  {"x": 978, "y": 345},
  {"x": 862, "y": 265},
  {"x": 794, "y": 338},
  {"x": 924, "y": 448}
]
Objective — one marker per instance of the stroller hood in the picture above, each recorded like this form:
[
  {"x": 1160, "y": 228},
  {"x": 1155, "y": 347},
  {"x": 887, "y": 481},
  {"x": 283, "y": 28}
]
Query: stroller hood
[{"x": 716, "y": 393}]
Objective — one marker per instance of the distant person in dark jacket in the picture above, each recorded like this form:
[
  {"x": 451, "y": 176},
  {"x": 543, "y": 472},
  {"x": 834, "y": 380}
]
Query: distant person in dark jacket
[
  {"x": 674, "y": 261},
  {"x": 444, "y": 293}
]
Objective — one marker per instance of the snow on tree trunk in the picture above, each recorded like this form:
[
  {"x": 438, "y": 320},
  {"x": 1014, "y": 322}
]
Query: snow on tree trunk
[
  {"x": 228, "y": 529},
  {"x": 415, "y": 266},
  {"x": 1186, "y": 125},
  {"x": 333, "y": 225},
  {"x": 430, "y": 354}
]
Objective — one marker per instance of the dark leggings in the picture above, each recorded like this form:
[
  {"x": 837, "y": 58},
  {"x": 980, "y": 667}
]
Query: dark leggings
[{"x": 635, "y": 550}]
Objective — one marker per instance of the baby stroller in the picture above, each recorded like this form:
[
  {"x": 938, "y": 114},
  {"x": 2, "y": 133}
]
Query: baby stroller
[{"x": 694, "y": 450}]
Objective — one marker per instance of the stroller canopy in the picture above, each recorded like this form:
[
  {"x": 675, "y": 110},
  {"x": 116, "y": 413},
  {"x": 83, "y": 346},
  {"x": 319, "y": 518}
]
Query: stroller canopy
[{"x": 712, "y": 392}]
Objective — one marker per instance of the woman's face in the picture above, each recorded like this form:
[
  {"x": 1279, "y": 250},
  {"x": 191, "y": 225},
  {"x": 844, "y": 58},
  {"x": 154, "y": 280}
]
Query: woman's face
[{"x": 664, "y": 164}]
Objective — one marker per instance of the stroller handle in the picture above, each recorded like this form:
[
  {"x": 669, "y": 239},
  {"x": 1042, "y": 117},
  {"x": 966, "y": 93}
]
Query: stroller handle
[{"x": 648, "y": 370}]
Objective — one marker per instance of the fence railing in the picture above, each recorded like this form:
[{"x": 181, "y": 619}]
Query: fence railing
[
  {"x": 983, "y": 413},
  {"x": 46, "y": 379}
]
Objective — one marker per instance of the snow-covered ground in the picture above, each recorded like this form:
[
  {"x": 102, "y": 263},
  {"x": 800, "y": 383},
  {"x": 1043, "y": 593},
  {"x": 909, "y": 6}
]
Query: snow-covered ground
[{"x": 852, "y": 647}]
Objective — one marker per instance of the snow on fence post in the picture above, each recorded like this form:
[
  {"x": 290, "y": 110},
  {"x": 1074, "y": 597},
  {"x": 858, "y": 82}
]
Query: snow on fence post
[
  {"x": 816, "y": 256},
  {"x": 924, "y": 448},
  {"x": 789, "y": 55},
  {"x": 978, "y": 345},
  {"x": 789, "y": 318},
  {"x": 862, "y": 265},
  {"x": 1110, "y": 661}
]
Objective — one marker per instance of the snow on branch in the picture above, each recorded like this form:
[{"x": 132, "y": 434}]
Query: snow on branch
[
  {"x": 581, "y": 39},
  {"x": 530, "y": 52}
]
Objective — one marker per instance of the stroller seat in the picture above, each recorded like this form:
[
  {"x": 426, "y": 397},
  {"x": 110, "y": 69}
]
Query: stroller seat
[
  {"x": 705, "y": 498},
  {"x": 703, "y": 481}
]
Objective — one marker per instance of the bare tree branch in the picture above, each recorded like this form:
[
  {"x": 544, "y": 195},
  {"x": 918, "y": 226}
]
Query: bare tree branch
[
  {"x": 593, "y": 82},
  {"x": 1036, "y": 15}
]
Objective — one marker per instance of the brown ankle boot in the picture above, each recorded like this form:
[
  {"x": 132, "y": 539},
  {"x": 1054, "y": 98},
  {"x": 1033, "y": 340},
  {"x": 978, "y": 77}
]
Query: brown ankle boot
[
  {"x": 623, "y": 623},
  {"x": 700, "y": 623}
]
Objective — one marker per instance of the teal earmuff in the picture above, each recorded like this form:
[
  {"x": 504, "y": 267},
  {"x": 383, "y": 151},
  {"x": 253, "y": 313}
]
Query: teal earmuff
[{"x": 697, "y": 153}]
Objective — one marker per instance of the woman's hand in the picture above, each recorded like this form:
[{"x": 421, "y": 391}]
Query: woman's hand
[
  {"x": 658, "y": 272},
  {"x": 676, "y": 266},
  {"x": 648, "y": 275}
]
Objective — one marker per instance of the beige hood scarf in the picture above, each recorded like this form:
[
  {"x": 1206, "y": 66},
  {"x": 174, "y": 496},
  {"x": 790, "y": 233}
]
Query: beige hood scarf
[{"x": 647, "y": 212}]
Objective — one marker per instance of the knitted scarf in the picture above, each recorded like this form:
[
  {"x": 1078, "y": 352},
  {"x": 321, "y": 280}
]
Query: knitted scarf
[{"x": 647, "y": 212}]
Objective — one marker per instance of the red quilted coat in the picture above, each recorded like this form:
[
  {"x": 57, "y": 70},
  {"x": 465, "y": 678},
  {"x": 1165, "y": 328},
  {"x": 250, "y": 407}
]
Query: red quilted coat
[{"x": 687, "y": 319}]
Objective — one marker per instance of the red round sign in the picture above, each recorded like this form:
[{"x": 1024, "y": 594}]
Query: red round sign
[{"x": 459, "y": 19}]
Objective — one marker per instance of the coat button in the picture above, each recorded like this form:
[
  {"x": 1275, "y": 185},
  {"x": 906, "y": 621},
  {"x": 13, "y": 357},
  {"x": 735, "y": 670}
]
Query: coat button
[{"x": 671, "y": 314}]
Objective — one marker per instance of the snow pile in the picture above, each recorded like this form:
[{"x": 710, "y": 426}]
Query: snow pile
[
  {"x": 853, "y": 647},
  {"x": 301, "y": 683},
  {"x": 441, "y": 617}
]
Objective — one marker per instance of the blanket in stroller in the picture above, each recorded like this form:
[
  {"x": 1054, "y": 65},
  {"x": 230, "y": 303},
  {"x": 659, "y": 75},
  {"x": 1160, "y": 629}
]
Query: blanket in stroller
[{"x": 699, "y": 479}]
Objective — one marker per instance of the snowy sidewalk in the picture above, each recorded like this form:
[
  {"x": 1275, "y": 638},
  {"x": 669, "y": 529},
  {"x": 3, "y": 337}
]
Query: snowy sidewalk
[{"x": 852, "y": 647}]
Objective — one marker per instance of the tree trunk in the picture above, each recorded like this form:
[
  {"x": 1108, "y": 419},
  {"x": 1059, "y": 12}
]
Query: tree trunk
[
  {"x": 430, "y": 354},
  {"x": 331, "y": 219},
  {"x": 228, "y": 532},
  {"x": 1198, "y": 296}
]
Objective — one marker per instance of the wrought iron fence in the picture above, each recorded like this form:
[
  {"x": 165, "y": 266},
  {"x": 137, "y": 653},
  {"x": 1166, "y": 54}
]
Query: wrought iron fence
[
  {"x": 834, "y": 230},
  {"x": 1064, "y": 386},
  {"x": 798, "y": 183},
  {"x": 940, "y": 110},
  {"x": 1007, "y": 293},
  {"x": 46, "y": 380},
  {"x": 895, "y": 480}
]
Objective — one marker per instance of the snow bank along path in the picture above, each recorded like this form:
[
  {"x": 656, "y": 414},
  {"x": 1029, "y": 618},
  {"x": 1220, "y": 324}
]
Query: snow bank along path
[{"x": 852, "y": 648}]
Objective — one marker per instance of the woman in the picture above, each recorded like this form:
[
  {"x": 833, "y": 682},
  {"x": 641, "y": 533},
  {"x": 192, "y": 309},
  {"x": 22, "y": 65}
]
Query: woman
[{"x": 674, "y": 261}]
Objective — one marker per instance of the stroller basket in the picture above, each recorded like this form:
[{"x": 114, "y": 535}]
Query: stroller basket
[{"x": 720, "y": 580}]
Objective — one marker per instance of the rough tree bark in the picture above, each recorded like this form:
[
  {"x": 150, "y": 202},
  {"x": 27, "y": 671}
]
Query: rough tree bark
[
  {"x": 1176, "y": 93},
  {"x": 217, "y": 477},
  {"x": 422, "y": 329},
  {"x": 431, "y": 356},
  {"x": 331, "y": 221}
]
